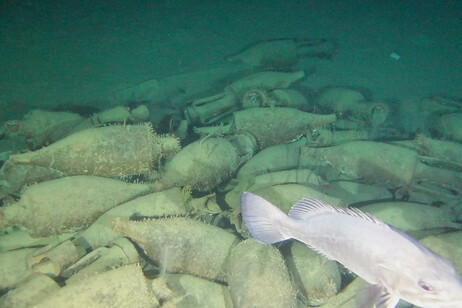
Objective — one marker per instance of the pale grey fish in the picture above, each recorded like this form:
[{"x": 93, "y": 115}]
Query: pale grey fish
[{"x": 394, "y": 264}]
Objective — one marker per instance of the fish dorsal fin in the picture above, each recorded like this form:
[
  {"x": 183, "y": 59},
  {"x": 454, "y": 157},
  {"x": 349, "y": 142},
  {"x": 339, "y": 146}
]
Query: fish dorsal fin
[
  {"x": 308, "y": 207},
  {"x": 353, "y": 211}
]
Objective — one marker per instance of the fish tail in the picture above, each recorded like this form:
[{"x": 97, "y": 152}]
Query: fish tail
[{"x": 265, "y": 222}]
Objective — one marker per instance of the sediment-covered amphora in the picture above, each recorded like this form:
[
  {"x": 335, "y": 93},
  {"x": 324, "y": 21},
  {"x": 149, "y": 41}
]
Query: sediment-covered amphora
[{"x": 106, "y": 151}]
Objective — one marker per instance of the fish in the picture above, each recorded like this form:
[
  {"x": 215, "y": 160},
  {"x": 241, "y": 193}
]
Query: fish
[{"x": 394, "y": 265}]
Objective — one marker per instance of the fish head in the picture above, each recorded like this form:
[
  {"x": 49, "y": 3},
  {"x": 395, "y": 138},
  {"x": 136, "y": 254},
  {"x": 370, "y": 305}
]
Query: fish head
[{"x": 432, "y": 283}]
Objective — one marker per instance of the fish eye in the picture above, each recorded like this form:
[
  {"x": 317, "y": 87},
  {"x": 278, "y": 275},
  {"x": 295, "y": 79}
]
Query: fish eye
[{"x": 425, "y": 286}]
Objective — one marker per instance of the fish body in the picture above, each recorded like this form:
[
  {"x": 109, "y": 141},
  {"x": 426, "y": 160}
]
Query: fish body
[{"x": 395, "y": 265}]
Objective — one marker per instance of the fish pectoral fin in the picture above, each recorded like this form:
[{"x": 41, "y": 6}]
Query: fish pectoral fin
[
  {"x": 368, "y": 295},
  {"x": 386, "y": 300},
  {"x": 375, "y": 296}
]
